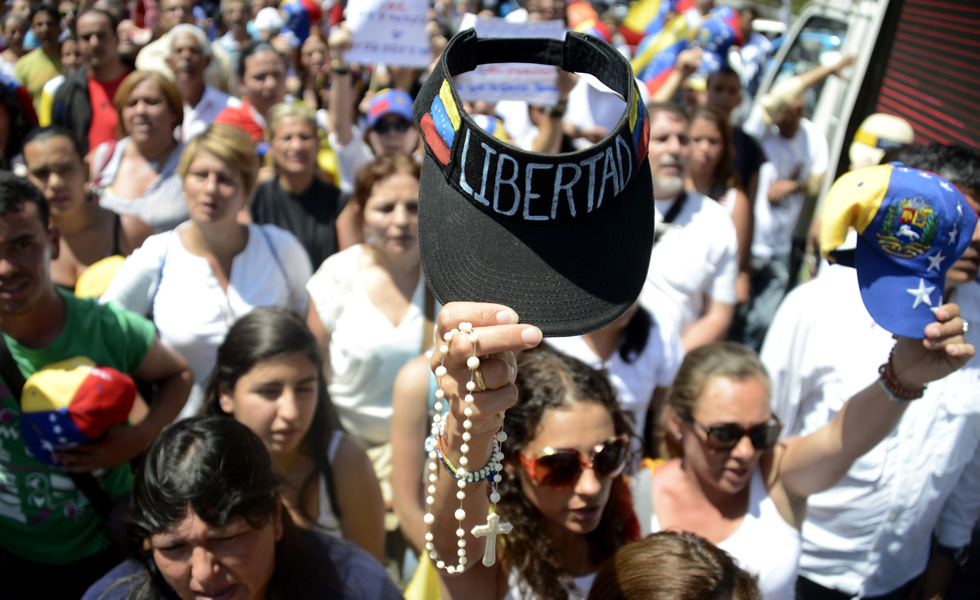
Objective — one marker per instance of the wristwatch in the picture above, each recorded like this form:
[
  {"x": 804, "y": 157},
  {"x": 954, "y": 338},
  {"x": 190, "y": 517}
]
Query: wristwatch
[
  {"x": 959, "y": 556},
  {"x": 557, "y": 111}
]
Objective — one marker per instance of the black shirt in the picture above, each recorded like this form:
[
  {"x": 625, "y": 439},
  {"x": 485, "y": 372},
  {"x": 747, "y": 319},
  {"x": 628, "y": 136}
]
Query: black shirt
[
  {"x": 311, "y": 216},
  {"x": 749, "y": 156}
]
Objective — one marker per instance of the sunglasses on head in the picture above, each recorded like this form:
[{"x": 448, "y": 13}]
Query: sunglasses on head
[
  {"x": 725, "y": 437},
  {"x": 560, "y": 468},
  {"x": 399, "y": 125}
]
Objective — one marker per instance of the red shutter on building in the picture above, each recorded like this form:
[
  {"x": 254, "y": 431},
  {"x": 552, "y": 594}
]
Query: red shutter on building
[{"x": 932, "y": 77}]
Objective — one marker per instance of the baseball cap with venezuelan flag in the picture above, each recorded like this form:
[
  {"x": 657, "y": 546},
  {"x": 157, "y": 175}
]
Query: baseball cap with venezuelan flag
[
  {"x": 912, "y": 226},
  {"x": 72, "y": 402},
  {"x": 389, "y": 101}
]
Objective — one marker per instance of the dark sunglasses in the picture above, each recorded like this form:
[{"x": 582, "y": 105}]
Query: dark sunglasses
[
  {"x": 560, "y": 468},
  {"x": 383, "y": 127},
  {"x": 763, "y": 436}
]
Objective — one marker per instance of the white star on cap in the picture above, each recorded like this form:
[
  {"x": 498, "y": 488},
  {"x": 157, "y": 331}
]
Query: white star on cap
[
  {"x": 945, "y": 185},
  {"x": 959, "y": 209},
  {"x": 953, "y": 233},
  {"x": 924, "y": 174},
  {"x": 935, "y": 261},
  {"x": 922, "y": 294}
]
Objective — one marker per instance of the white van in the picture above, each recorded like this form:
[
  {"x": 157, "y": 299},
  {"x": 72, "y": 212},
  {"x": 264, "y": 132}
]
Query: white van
[{"x": 918, "y": 59}]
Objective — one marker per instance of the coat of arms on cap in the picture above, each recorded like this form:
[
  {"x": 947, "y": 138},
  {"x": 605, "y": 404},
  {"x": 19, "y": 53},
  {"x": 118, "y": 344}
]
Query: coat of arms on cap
[{"x": 908, "y": 228}]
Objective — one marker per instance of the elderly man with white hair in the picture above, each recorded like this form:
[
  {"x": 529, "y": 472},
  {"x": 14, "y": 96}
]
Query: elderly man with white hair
[
  {"x": 189, "y": 56},
  {"x": 153, "y": 57}
]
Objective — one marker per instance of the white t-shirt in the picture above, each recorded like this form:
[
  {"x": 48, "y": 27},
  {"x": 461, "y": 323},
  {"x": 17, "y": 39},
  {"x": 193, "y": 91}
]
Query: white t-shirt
[
  {"x": 198, "y": 118},
  {"x": 591, "y": 104},
  {"x": 191, "y": 311},
  {"x": 872, "y": 532},
  {"x": 366, "y": 350},
  {"x": 580, "y": 588},
  {"x": 696, "y": 258},
  {"x": 803, "y": 155},
  {"x": 350, "y": 157}
]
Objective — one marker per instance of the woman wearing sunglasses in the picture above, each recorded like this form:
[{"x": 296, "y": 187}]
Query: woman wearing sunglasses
[
  {"x": 722, "y": 484},
  {"x": 561, "y": 489},
  {"x": 730, "y": 479}
]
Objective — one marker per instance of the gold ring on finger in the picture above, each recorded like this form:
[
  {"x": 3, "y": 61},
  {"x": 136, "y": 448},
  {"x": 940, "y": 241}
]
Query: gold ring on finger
[{"x": 478, "y": 378}]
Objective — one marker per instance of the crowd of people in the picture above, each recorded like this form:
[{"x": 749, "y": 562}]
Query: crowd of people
[{"x": 228, "y": 214}]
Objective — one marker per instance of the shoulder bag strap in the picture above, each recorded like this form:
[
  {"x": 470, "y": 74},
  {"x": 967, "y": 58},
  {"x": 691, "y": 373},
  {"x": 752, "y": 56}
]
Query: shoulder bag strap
[
  {"x": 272, "y": 249},
  {"x": 428, "y": 320},
  {"x": 641, "y": 485},
  {"x": 8, "y": 368},
  {"x": 675, "y": 208}
]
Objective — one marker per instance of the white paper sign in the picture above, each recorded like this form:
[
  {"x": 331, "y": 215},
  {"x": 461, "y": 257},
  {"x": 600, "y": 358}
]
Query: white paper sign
[
  {"x": 389, "y": 31},
  {"x": 535, "y": 84}
]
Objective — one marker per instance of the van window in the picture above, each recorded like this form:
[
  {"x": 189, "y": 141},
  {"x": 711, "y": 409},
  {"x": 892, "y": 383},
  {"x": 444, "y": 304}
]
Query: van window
[{"x": 818, "y": 44}]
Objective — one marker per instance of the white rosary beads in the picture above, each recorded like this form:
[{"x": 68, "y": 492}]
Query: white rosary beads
[{"x": 491, "y": 471}]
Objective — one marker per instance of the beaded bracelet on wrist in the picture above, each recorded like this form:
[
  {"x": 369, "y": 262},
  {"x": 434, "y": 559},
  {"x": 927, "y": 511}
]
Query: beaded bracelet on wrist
[
  {"x": 434, "y": 442},
  {"x": 493, "y": 526},
  {"x": 893, "y": 387}
]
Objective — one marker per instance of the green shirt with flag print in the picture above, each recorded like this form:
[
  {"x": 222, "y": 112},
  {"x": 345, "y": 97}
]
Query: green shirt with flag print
[{"x": 43, "y": 516}]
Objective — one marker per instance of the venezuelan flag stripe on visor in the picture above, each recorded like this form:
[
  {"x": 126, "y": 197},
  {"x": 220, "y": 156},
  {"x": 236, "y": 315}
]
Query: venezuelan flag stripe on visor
[{"x": 440, "y": 124}]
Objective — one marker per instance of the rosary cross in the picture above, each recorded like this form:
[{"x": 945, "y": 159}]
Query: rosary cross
[{"x": 490, "y": 531}]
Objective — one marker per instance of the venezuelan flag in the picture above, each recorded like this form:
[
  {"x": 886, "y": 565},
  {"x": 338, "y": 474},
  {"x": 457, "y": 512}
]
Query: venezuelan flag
[
  {"x": 648, "y": 63},
  {"x": 648, "y": 16},
  {"x": 440, "y": 124}
]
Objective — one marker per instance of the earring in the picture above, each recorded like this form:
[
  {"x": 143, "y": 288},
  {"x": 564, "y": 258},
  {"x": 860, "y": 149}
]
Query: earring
[
  {"x": 678, "y": 436},
  {"x": 224, "y": 403}
]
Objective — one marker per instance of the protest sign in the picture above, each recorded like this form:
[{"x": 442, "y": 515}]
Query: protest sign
[
  {"x": 536, "y": 84},
  {"x": 389, "y": 31}
]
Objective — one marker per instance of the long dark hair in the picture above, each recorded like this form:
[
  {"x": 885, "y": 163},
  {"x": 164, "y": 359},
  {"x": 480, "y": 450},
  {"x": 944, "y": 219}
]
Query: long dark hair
[
  {"x": 270, "y": 333},
  {"x": 220, "y": 469},
  {"x": 725, "y": 176},
  {"x": 548, "y": 379}
]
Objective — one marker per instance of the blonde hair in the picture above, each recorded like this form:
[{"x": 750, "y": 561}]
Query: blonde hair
[
  {"x": 701, "y": 366},
  {"x": 170, "y": 93},
  {"x": 284, "y": 110},
  {"x": 231, "y": 145}
]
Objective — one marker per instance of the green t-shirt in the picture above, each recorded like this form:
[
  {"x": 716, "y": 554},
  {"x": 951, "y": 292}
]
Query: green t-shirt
[{"x": 43, "y": 516}]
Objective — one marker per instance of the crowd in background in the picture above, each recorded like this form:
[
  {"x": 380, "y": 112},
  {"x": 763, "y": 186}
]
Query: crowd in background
[{"x": 237, "y": 209}]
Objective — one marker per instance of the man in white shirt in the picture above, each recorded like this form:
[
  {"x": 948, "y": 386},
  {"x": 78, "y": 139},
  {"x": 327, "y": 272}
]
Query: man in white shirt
[
  {"x": 153, "y": 56},
  {"x": 797, "y": 156},
  {"x": 691, "y": 283},
  {"x": 870, "y": 535},
  {"x": 190, "y": 54}
]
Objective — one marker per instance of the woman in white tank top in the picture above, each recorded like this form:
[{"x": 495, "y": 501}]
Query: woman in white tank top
[
  {"x": 268, "y": 376},
  {"x": 729, "y": 480}
]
